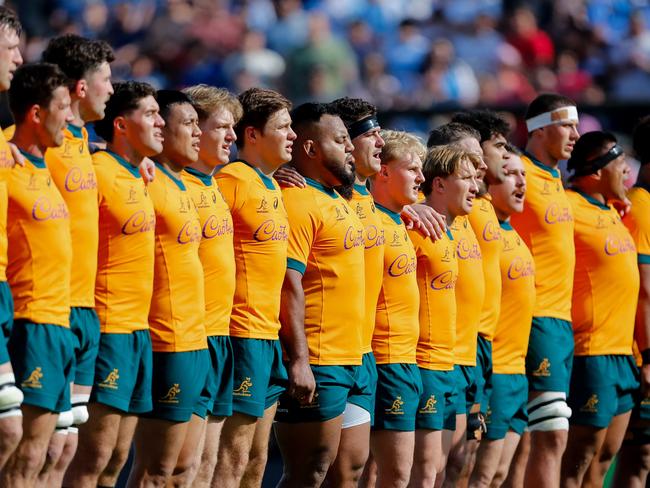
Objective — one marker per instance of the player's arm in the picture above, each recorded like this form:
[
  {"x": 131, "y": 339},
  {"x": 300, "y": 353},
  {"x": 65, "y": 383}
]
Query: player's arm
[
  {"x": 147, "y": 170},
  {"x": 642, "y": 329},
  {"x": 287, "y": 176},
  {"x": 424, "y": 219},
  {"x": 292, "y": 335}
]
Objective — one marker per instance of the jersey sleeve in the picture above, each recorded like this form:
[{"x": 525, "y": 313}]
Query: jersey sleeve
[
  {"x": 234, "y": 190},
  {"x": 302, "y": 231},
  {"x": 638, "y": 222}
]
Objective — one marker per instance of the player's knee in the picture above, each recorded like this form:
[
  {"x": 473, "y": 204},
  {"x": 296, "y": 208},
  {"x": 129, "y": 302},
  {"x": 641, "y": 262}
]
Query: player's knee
[
  {"x": 398, "y": 474},
  {"x": 11, "y": 431},
  {"x": 549, "y": 412},
  {"x": 31, "y": 456}
]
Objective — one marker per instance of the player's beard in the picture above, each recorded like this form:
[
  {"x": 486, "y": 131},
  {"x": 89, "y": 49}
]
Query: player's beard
[{"x": 345, "y": 178}]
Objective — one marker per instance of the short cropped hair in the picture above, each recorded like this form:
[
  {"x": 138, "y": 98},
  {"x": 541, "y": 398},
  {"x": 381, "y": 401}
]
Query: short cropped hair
[
  {"x": 308, "y": 114},
  {"x": 442, "y": 161},
  {"x": 398, "y": 144},
  {"x": 486, "y": 122},
  {"x": 547, "y": 102},
  {"x": 168, "y": 98},
  {"x": 451, "y": 133},
  {"x": 208, "y": 99},
  {"x": 9, "y": 20},
  {"x": 34, "y": 84},
  {"x": 352, "y": 110},
  {"x": 258, "y": 104},
  {"x": 76, "y": 55},
  {"x": 641, "y": 140},
  {"x": 126, "y": 97}
]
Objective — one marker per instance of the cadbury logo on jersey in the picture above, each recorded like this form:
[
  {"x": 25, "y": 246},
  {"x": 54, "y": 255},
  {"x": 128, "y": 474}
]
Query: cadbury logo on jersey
[
  {"x": 465, "y": 250},
  {"x": 139, "y": 222},
  {"x": 269, "y": 231},
  {"x": 43, "y": 209},
  {"x": 75, "y": 180},
  {"x": 616, "y": 245},
  {"x": 374, "y": 237},
  {"x": 520, "y": 269},
  {"x": 491, "y": 232},
  {"x": 555, "y": 214},
  {"x": 214, "y": 228},
  {"x": 444, "y": 281},
  {"x": 190, "y": 232},
  {"x": 353, "y": 238},
  {"x": 402, "y": 265}
]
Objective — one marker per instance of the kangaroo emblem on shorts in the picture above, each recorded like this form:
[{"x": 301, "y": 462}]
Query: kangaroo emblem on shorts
[
  {"x": 243, "y": 388},
  {"x": 396, "y": 407},
  {"x": 111, "y": 380},
  {"x": 543, "y": 369},
  {"x": 590, "y": 405},
  {"x": 170, "y": 396},
  {"x": 34, "y": 379},
  {"x": 430, "y": 405}
]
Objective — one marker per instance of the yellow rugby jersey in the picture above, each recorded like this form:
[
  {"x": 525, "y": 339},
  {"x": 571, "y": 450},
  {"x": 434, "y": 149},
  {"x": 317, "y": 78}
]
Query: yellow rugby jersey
[
  {"x": 73, "y": 172},
  {"x": 326, "y": 245},
  {"x": 470, "y": 291},
  {"x": 517, "y": 270},
  {"x": 40, "y": 251},
  {"x": 216, "y": 250},
  {"x": 637, "y": 220},
  {"x": 176, "y": 317},
  {"x": 397, "y": 321},
  {"x": 6, "y": 163},
  {"x": 485, "y": 224},
  {"x": 437, "y": 273},
  {"x": 260, "y": 244},
  {"x": 364, "y": 208},
  {"x": 546, "y": 226},
  {"x": 606, "y": 280},
  {"x": 125, "y": 258}
]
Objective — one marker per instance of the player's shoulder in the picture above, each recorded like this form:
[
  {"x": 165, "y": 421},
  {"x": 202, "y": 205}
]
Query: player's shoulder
[{"x": 639, "y": 197}]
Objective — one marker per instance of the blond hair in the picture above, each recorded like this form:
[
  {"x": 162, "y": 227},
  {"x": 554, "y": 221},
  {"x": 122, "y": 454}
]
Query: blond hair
[
  {"x": 443, "y": 161},
  {"x": 398, "y": 144},
  {"x": 208, "y": 99}
]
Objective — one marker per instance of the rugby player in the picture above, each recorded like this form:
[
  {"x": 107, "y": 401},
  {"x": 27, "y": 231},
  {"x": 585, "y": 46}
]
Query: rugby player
[
  {"x": 605, "y": 296},
  {"x": 10, "y": 395},
  {"x": 176, "y": 316},
  {"x": 506, "y": 416},
  {"x": 132, "y": 129},
  {"x": 324, "y": 269},
  {"x": 86, "y": 63},
  {"x": 261, "y": 232},
  {"x": 546, "y": 226},
  {"x": 450, "y": 187},
  {"x": 218, "y": 113},
  {"x": 633, "y": 462},
  {"x": 39, "y": 264},
  {"x": 395, "y": 337}
]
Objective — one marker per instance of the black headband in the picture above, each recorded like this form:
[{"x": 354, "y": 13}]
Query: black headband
[
  {"x": 593, "y": 165},
  {"x": 362, "y": 126}
]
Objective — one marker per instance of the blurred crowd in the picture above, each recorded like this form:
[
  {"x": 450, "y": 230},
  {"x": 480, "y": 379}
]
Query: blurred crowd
[{"x": 398, "y": 54}]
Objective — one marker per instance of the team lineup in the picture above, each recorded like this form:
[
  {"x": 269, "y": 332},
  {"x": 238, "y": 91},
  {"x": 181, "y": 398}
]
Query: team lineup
[{"x": 396, "y": 313}]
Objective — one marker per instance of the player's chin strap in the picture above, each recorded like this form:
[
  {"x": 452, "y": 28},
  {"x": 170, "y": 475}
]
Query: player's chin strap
[
  {"x": 549, "y": 411},
  {"x": 10, "y": 396}
]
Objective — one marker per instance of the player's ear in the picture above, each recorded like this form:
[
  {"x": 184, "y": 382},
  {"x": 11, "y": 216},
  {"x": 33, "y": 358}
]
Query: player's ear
[
  {"x": 309, "y": 147},
  {"x": 34, "y": 114},
  {"x": 250, "y": 133},
  {"x": 438, "y": 184},
  {"x": 383, "y": 171},
  {"x": 80, "y": 88},
  {"x": 119, "y": 125}
]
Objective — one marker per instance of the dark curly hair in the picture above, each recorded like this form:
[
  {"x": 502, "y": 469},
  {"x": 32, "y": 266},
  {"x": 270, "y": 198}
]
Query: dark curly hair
[
  {"x": 76, "y": 55},
  {"x": 353, "y": 109},
  {"x": 126, "y": 97},
  {"x": 34, "y": 84},
  {"x": 486, "y": 122}
]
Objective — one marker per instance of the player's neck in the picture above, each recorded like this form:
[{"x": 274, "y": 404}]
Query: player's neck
[
  {"x": 126, "y": 152},
  {"x": 24, "y": 138},
  {"x": 381, "y": 197},
  {"x": 540, "y": 153},
  {"x": 591, "y": 190},
  {"x": 360, "y": 179},
  {"x": 439, "y": 206},
  {"x": 254, "y": 159},
  {"x": 173, "y": 167},
  {"x": 76, "y": 113},
  {"x": 501, "y": 215},
  {"x": 202, "y": 167}
]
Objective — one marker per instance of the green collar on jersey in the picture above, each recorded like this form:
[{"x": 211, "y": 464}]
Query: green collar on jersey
[
  {"x": 206, "y": 179},
  {"x": 553, "y": 171},
  {"x": 76, "y": 131},
  {"x": 319, "y": 186},
  {"x": 591, "y": 200},
  {"x": 35, "y": 160},
  {"x": 450, "y": 235},
  {"x": 267, "y": 180},
  {"x": 131, "y": 169},
  {"x": 175, "y": 179},
  {"x": 361, "y": 189},
  {"x": 393, "y": 215},
  {"x": 505, "y": 225}
]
